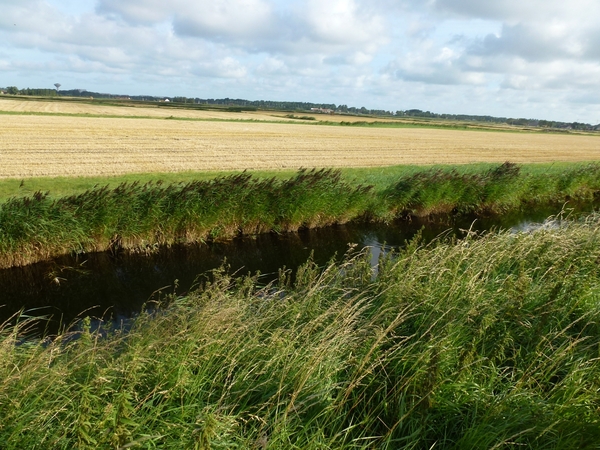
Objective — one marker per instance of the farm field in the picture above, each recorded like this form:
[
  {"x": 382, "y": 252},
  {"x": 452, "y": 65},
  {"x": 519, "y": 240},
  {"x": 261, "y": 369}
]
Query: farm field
[
  {"x": 50, "y": 146},
  {"x": 150, "y": 110},
  {"x": 476, "y": 343},
  {"x": 101, "y": 108}
]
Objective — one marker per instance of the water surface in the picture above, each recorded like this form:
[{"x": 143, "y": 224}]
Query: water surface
[{"x": 117, "y": 286}]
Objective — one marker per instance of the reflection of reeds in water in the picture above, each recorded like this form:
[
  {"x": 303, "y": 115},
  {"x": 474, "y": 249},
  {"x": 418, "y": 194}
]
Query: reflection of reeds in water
[
  {"x": 482, "y": 343},
  {"x": 142, "y": 216}
]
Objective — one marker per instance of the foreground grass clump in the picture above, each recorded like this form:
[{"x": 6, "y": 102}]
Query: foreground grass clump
[
  {"x": 143, "y": 216},
  {"x": 488, "y": 342}
]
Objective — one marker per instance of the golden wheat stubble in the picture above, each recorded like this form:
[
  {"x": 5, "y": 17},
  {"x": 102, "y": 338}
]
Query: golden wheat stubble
[{"x": 78, "y": 146}]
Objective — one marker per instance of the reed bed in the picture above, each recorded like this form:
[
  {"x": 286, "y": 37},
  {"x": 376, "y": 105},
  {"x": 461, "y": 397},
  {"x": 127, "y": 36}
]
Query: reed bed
[
  {"x": 488, "y": 342},
  {"x": 490, "y": 190},
  {"x": 144, "y": 216}
]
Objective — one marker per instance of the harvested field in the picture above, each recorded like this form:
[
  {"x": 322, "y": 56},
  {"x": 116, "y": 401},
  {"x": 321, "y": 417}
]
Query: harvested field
[
  {"x": 86, "y": 107},
  {"x": 136, "y": 109},
  {"x": 78, "y": 146}
]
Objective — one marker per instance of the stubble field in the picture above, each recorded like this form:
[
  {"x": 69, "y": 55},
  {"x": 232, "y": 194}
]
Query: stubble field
[{"x": 47, "y": 145}]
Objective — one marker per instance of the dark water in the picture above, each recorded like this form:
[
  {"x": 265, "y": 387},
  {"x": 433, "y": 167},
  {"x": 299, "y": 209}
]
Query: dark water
[{"x": 117, "y": 286}]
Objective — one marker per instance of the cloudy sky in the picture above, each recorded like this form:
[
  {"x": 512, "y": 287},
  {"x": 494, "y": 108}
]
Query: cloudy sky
[{"x": 516, "y": 58}]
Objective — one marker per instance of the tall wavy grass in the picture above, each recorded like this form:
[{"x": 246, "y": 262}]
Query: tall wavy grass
[
  {"x": 496, "y": 190},
  {"x": 490, "y": 342},
  {"x": 133, "y": 215}
]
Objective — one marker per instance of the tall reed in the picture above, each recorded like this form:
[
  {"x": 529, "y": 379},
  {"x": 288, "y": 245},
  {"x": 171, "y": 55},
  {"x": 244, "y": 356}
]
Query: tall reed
[
  {"x": 142, "y": 216},
  {"x": 489, "y": 342},
  {"x": 133, "y": 215},
  {"x": 494, "y": 190}
]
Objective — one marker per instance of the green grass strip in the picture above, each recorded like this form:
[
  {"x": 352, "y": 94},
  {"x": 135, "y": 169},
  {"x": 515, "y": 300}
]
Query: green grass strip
[
  {"x": 379, "y": 177},
  {"x": 142, "y": 215}
]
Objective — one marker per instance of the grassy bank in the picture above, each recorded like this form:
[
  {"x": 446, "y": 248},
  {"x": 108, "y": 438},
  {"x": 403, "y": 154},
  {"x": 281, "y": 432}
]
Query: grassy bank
[
  {"x": 134, "y": 215},
  {"x": 485, "y": 343},
  {"x": 378, "y": 177}
]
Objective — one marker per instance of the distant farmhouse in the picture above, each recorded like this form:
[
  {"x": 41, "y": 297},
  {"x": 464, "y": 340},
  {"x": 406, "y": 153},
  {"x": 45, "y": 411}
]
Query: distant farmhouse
[{"x": 322, "y": 110}]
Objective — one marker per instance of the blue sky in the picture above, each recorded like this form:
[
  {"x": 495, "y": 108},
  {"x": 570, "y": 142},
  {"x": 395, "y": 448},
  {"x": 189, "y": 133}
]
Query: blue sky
[{"x": 517, "y": 58}]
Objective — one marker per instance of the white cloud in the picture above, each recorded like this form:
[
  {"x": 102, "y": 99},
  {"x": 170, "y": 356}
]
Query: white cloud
[
  {"x": 272, "y": 66},
  {"x": 310, "y": 26},
  {"x": 457, "y": 54},
  {"x": 506, "y": 10},
  {"x": 343, "y": 22},
  {"x": 224, "y": 68},
  {"x": 225, "y": 19},
  {"x": 137, "y": 12}
]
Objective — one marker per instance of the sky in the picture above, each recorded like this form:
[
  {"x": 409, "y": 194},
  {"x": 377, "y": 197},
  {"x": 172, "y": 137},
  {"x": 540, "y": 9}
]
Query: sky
[{"x": 512, "y": 58}]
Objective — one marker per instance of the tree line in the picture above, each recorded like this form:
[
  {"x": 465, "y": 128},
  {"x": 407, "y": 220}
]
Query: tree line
[
  {"x": 242, "y": 104},
  {"x": 13, "y": 90},
  {"x": 500, "y": 120}
]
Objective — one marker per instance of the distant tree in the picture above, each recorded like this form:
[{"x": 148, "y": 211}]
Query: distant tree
[
  {"x": 12, "y": 90},
  {"x": 519, "y": 122},
  {"x": 39, "y": 92}
]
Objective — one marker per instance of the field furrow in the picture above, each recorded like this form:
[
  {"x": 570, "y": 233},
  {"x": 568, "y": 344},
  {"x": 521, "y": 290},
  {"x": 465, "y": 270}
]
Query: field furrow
[{"x": 75, "y": 146}]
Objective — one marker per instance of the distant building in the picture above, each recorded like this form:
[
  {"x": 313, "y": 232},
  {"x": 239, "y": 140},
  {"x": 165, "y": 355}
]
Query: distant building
[{"x": 322, "y": 110}]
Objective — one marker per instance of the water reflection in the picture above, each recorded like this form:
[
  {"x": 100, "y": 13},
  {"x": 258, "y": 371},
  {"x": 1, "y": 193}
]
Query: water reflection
[{"x": 106, "y": 285}]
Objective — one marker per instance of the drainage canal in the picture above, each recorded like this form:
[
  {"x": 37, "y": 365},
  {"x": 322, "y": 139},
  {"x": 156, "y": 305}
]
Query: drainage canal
[{"x": 117, "y": 286}]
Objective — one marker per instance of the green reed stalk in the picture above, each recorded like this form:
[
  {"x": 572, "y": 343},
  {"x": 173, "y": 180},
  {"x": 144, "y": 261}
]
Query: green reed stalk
[
  {"x": 143, "y": 216},
  {"x": 488, "y": 342}
]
